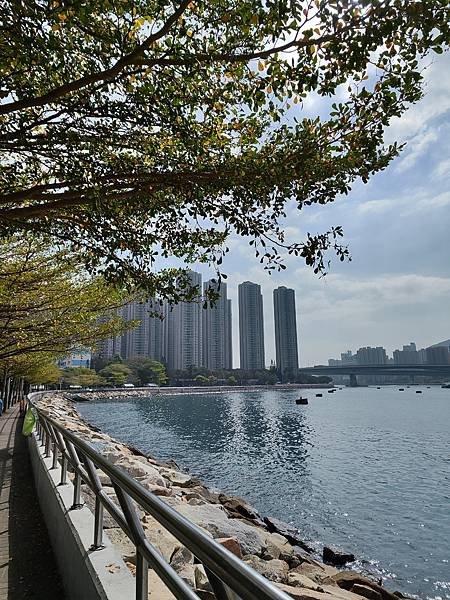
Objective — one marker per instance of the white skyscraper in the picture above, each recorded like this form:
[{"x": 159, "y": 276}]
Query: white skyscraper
[
  {"x": 285, "y": 332},
  {"x": 216, "y": 329},
  {"x": 183, "y": 331},
  {"x": 251, "y": 326}
]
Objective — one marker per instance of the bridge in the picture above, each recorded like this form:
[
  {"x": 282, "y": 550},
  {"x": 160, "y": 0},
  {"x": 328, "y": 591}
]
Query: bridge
[{"x": 355, "y": 370}]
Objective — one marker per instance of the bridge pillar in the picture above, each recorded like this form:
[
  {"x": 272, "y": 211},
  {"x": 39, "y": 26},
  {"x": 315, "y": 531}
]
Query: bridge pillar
[{"x": 353, "y": 380}]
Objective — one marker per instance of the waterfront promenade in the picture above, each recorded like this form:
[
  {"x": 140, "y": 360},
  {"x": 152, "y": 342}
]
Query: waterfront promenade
[{"x": 28, "y": 569}]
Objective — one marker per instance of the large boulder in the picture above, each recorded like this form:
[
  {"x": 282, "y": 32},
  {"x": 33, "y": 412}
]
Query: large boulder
[
  {"x": 239, "y": 508},
  {"x": 276, "y": 545},
  {"x": 347, "y": 580},
  {"x": 160, "y": 538},
  {"x": 177, "y": 478},
  {"x": 299, "y": 580},
  {"x": 336, "y": 557},
  {"x": 214, "y": 519},
  {"x": 274, "y": 570},
  {"x": 201, "y": 579},
  {"x": 141, "y": 470},
  {"x": 366, "y": 591},
  {"x": 288, "y": 531},
  {"x": 316, "y": 571},
  {"x": 231, "y": 544}
]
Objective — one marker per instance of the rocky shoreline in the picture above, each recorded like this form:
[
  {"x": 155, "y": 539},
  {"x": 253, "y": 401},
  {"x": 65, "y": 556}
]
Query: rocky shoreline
[
  {"x": 271, "y": 547},
  {"x": 112, "y": 393}
]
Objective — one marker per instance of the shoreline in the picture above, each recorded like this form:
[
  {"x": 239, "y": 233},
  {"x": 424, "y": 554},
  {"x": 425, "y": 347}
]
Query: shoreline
[
  {"x": 109, "y": 393},
  {"x": 273, "y": 548}
]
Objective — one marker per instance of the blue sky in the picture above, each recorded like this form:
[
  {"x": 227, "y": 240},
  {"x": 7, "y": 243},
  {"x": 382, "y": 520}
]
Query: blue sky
[{"x": 397, "y": 287}]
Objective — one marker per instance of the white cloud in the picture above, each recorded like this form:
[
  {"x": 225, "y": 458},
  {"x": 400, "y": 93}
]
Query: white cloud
[
  {"x": 435, "y": 103},
  {"x": 376, "y": 206},
  {"x": 416, "y": 149},
  {"x": 442, "y": 169}
]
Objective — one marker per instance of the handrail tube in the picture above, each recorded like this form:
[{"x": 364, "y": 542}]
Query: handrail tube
[{"x": 243, "y": 580}]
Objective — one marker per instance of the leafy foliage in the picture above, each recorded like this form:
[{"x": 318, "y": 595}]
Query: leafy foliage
[
  {"x": 147, "y": 370},
  {"x": 117, "y": 374},
  {"x": 81, "y": 376},
  {"x": 48, "y": 305},
  {"x": 138, "y": 130}
]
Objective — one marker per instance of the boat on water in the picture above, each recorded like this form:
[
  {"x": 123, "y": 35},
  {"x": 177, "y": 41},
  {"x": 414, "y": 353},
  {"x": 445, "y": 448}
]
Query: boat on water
[
  {"x": 301, "y": 401},
  {"x": 446, "y": 386}
]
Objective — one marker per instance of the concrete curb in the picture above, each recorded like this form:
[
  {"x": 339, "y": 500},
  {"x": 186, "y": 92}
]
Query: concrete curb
[{"x": 86, "y": 574}]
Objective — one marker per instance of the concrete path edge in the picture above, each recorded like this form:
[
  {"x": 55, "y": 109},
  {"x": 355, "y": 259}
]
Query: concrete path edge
[{"x": 86, "y": 574}]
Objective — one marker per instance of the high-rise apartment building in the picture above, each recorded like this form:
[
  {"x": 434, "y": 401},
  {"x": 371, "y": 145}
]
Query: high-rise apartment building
[
  {"x": 183, "y": 330},
  {"x": 216, "y": 329},
  {"x": 407, "y": 356},
  {"x": 144, "y": 340},
  {"x": 286, "y": 344},
  {"x": 438, "y": 355},
  {"x": 251, "y": 326},
  {"x": 371, "y": 356}
]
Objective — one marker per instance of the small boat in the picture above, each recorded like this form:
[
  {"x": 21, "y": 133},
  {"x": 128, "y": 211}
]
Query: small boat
[
  {"x": 401, "y": 389},
  {"x": 378, "y": 388},
  {"x": 301, "y": 401},
  {"x": 319, "y": 395},
  {"x": 446, "y": 386},
  {"x": 418, "y": 391},
  {"x": 330, "y": 391}
]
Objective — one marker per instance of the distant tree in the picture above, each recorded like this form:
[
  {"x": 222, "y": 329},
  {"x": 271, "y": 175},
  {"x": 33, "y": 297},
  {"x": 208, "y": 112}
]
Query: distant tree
[
  {"x": 147, "y": 370},
  {"x": 48, "y": 303},
  {"x": 81, "y": 376},
  {"x": 136, "y": 128},
  {"x": 117, "y": 374},
  {"x": 231, "y": 380}
]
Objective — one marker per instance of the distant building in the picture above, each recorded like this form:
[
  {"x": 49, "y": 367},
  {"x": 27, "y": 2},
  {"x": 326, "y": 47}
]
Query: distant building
[
  {"x": 183, "y": 330},
  {"x": 216, "y": 329},
  {"x": 438, "y": 355},
  {"x": 407, "y": 356},
  {"x": 286, "y": 345},
  {"x": 348, "y": 358},
  {"x": 333, "y": 362},
  {"x": 77, "y": 358},
  {"x": 145, "y": 340},
  {"x": 371, "y": 356},
  {"x": 251, "y": 326},
  {"x": 110, "y": 347}
]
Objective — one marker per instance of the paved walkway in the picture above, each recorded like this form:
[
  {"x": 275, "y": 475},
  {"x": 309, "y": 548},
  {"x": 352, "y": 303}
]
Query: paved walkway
[{"x": 27, "y": 566}]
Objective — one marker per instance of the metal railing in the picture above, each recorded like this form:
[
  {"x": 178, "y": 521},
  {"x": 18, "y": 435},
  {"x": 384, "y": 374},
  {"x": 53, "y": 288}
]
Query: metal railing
[{"x": 229, "y": 577}]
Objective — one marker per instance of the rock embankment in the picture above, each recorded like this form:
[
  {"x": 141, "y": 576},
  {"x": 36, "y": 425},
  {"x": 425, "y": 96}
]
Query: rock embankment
[
  {"x": 271, "y": 547},
  {"x": 106, "y": 394}
]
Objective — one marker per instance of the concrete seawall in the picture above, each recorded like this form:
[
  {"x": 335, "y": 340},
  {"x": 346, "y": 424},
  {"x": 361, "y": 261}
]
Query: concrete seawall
[{"x": 86, "y": 574}]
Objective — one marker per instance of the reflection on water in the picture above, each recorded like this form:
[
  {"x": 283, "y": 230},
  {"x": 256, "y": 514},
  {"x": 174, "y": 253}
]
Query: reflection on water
[{"x": 365, "y": 469}]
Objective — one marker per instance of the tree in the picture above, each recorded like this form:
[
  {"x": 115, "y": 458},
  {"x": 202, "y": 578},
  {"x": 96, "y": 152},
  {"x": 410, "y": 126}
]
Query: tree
[
  {"x": 81, "y": 376},
  {"x": 49, "y": 305},
  {"x": 147, "y": 370},
  {"x": 117, "y": 374},
  {"x": 140, "y": 128}
]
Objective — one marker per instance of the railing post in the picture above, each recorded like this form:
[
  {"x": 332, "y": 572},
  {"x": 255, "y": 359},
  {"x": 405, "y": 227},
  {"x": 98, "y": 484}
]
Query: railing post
[
  {"x": 138, "y": 534},
  {"x": 76, "y": 493},
  {"x": 98, "y": 525},
  {"x": 63, "y": 480},
  {"x": 141, "y": 576},
  {"x": 48, "y": 443},
  {"x": 55, "y": 455}
]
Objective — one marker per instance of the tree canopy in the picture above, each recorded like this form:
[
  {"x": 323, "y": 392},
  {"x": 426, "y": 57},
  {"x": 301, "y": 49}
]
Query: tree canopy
[
  {"x": 140, "y": 130},
  {"x": 48, "y": 306}
]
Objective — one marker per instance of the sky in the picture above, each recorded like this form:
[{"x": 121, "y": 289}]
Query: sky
[{"x": 396, "y": 289}]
